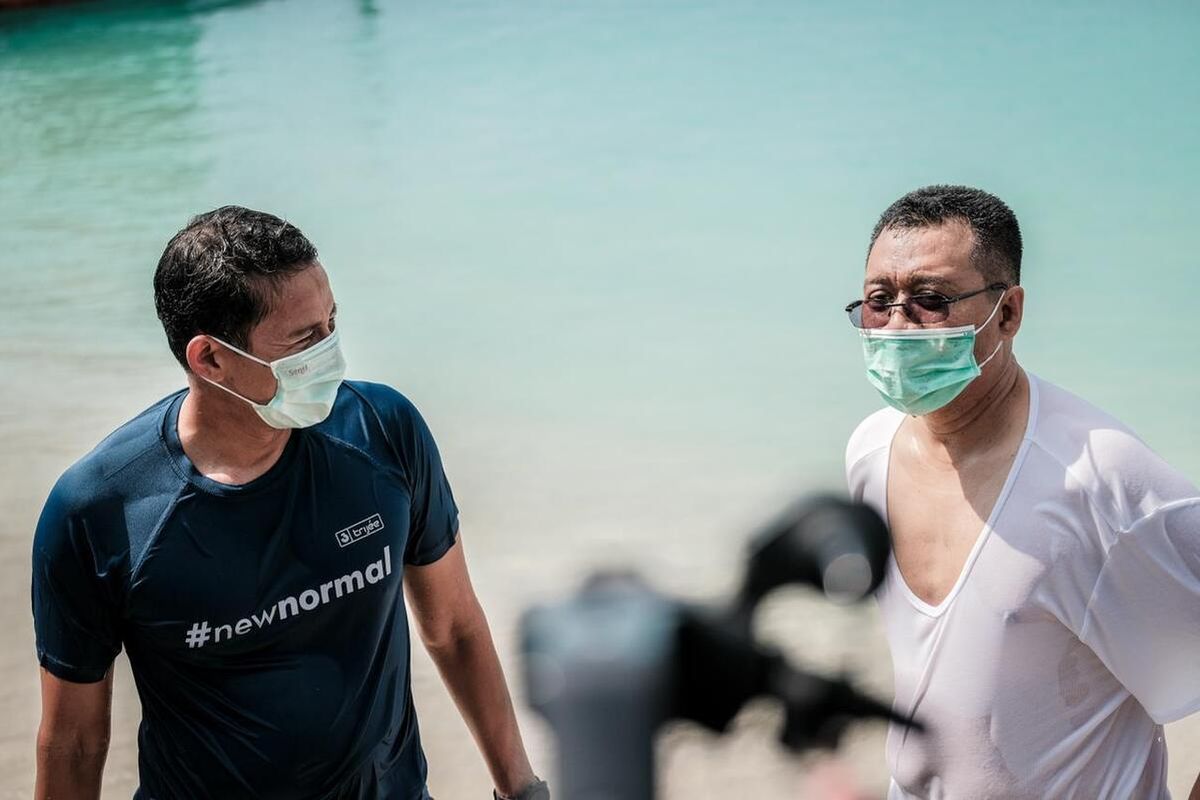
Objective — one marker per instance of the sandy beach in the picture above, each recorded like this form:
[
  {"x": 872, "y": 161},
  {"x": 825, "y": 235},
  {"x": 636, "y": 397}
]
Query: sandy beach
[
  {"x": 41, "y": 434},
  {"x": 517, "y": 558}
]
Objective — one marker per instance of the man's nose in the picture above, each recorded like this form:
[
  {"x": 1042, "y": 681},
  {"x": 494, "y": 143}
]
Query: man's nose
[{"x": 898, "y": 319}]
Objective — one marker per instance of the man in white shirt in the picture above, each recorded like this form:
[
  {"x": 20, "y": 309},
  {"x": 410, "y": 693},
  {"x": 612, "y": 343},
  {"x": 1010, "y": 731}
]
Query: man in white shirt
[{"x": 1043, "y": 602}]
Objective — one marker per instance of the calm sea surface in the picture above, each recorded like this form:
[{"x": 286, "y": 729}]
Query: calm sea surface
[{"x": 604, "y": 246}]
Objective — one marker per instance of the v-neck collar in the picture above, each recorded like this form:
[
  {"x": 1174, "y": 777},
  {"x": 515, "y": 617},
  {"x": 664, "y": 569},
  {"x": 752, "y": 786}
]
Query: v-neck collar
[{"x": 993, "y": 517}]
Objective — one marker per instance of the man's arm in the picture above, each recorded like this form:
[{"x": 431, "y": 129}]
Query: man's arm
[
  {"x": 72, "y": 740},
  {"x": 1195, "y": 793},
  {"x": 455, "y": 632}
]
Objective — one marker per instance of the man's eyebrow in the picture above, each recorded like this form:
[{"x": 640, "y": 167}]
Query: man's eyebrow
[
  {"x": 923, "y": 281},
  {"x": 929, "y": 280}
]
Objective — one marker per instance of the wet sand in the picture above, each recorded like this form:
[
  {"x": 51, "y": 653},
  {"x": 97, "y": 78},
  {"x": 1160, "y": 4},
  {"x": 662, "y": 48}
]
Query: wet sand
[{"x": 522, "y": 548}]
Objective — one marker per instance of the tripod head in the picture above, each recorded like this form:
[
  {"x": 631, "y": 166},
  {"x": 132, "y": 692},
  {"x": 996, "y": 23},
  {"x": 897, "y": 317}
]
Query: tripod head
[{"x": 609, "y": 666}]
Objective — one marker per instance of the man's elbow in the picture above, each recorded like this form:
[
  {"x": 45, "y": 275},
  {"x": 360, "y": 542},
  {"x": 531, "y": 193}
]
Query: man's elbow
[
  {"x": 83, "y": 746},
  {"x": 453, "y": 635}
]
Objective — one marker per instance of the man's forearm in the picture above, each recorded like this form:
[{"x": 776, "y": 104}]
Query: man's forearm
[
  {"x": 69, "y": 770},
  {"x": 1195, "y": 794},
  {"x": 472, "y": 672}
]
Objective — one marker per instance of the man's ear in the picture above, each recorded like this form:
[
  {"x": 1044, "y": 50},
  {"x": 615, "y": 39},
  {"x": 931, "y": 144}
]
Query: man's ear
[
  {"x": 202, "y": 357},
  {"x": 1012, "y": 311}
]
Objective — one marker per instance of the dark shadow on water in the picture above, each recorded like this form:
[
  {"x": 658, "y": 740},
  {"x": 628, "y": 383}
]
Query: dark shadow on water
[{"x": 24, "y": 12}]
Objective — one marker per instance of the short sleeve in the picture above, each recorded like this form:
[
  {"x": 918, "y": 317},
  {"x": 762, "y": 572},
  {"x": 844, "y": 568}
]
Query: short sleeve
[
  {"x": 1143, "y": 619},
  {"x": 433, "y": 526},
  {"x": 75, "y": 618}
]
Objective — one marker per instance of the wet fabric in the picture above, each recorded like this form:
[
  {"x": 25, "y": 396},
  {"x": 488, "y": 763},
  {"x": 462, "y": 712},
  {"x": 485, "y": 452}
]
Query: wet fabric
[
  {"x": 1072, "y": 633},
  {"x": 264, "y": 623}
]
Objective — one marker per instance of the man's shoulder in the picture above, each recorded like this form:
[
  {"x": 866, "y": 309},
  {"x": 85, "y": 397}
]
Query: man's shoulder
[
  {"x": 100, "y": 471},
  {"x": 380, "y": 397},
  {"x": 867, "y": 446},
  {"x": 1069, "y": 412},
  {"x": 126, "y": 466},
  {"x": 1077, "y": 432},
  {"x": 364, "y": 409},
  {"x": 872, "y": 435},
  {"x": 1104, "y": 456},
  {"x": 375, "y": 418}
]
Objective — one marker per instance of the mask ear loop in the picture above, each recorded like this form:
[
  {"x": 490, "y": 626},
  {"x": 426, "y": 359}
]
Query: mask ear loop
[
  {"x": 986, "y": 322},
  {"x": 981, "y": 366},
  {"x": 240, "y": 352},
  {"x": 231, "y": 391}
]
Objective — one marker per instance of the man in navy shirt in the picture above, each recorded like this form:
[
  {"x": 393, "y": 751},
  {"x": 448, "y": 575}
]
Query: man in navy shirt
[{"x": 246, "y": 541}]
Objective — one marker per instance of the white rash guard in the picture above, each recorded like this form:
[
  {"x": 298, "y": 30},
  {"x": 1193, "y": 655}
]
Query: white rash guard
[{"x": 1073, "y": 631}]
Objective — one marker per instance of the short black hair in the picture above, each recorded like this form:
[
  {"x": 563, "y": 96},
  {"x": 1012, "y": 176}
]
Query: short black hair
[
  {"x": 997, "y": 251},
  {"x": 217, "y": 274}
]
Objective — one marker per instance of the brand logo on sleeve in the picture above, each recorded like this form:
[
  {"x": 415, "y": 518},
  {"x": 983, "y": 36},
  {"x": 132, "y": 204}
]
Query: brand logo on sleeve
[{"x": 359, "y": 530}]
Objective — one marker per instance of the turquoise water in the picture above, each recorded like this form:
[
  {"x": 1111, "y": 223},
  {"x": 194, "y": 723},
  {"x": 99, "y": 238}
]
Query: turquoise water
[
  {"x": 640, "y": 218},
  {"x": 636, "y": 220},
  {"x": 626, "y": 224},
  {"x": 604, "y": 246}
]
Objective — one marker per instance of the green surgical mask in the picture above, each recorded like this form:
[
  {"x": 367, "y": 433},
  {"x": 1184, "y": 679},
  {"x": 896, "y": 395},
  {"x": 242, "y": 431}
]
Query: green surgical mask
[{"x": 919, "y": 370}]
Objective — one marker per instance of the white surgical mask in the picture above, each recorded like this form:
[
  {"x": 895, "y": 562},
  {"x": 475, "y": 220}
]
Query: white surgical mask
[{"x": 306, "y": 384}]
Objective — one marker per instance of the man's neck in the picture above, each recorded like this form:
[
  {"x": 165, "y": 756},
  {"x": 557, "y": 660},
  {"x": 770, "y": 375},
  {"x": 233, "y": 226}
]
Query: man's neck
[
  {"x": 223, "y": 437},
  {"x": 986, "y": 418}
]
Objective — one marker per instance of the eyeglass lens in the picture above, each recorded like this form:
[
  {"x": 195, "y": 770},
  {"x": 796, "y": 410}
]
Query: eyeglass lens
[{"x": 924, "y": 309}]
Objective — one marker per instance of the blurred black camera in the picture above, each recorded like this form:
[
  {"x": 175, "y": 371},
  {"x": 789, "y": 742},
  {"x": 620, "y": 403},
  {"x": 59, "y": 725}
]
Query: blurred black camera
[{"x": 609, "y": 666}]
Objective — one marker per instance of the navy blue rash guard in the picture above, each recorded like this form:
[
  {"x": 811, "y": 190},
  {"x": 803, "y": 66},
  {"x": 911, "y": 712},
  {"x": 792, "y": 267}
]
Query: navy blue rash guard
[{"x": 264, "y": 623}]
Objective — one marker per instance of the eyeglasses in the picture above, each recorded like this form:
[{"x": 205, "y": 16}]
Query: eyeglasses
[{"x": 926, "y": 308}]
